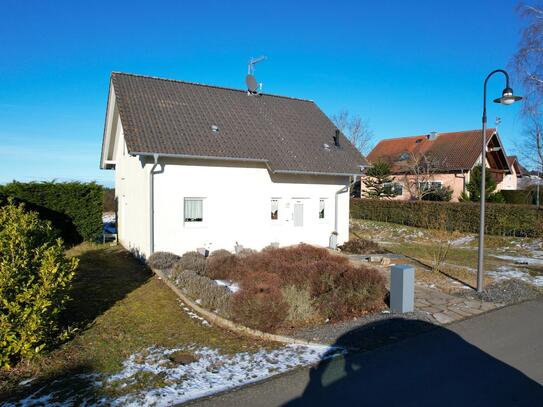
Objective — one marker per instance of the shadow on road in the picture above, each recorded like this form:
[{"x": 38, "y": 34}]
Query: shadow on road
[{"x": 438, "y": 368}]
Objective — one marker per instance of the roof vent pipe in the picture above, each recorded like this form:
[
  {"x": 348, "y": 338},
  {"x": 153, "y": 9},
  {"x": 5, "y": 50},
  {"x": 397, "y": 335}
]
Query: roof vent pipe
[
  {"x": 433, "y": 135},
  {"x": 336, "y": 138}
]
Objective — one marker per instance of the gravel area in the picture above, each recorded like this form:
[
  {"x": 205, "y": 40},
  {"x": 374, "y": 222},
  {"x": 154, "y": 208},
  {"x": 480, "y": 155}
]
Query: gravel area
[
  {"x": 368, "y": 332},
  {"x": 506, "y": 292}
]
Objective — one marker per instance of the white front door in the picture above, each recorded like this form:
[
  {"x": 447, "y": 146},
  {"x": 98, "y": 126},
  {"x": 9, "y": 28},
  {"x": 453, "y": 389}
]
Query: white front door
[{"x": 298, "y": 214}]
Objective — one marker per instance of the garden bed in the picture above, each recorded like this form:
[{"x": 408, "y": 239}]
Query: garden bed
[{"x": 276, "y": 289}]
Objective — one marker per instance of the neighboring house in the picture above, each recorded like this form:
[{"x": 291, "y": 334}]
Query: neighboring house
[
  {"x": 201, "y": 166},
  {"x": 512, "y": 180},
  {"x": 451, "y": 157}
]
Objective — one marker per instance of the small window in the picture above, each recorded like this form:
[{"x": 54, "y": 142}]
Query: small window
[
  {"x": 404, "y": 156},
  {"x": 393, "y": 188},
  {"x": 322, "y": 208},
  {"x": 194, "y": 210},
  {"x": 430, "y": 186},
  {"x": 274, "y": 209}
]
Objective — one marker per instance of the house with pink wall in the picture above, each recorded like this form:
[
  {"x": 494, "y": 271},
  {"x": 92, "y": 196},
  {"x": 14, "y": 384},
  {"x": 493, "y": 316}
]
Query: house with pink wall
[{"x": 452, "y": 157}]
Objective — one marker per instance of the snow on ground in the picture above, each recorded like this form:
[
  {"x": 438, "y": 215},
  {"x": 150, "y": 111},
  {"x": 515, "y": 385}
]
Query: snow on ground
[
  {"x": 166, "y": 383},
  {"x": 192, "y": 314},
  {"x": 234, "y": 287},
  {"x": 461, "y": 241},
  {"x": 508, "y": 272}
]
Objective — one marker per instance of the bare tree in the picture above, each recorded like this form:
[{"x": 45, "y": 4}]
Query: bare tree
[
  {"x": 418, "y": 174},
  {"x": 528, "y": 65},
  {"x": 355, "y": 129},
  {"x": 528, "y": 61},
  {"x": 532, "y": 145}
]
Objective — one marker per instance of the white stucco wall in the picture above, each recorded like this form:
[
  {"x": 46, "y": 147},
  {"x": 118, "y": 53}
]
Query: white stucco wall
[
  {"x": 132, "y": 195},
  {"x": 237, "y": 205}
]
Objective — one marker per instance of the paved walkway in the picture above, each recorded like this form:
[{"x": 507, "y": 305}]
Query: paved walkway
[
  {"x": 445, "y": 308},
  {"x": 494, "y": 359}
]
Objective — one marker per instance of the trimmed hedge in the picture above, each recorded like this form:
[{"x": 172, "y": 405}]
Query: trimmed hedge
[
  {"x": 521, "y": 197},
  {"x": 501, "y": 219},
  {"x": 74, "y": 208}
]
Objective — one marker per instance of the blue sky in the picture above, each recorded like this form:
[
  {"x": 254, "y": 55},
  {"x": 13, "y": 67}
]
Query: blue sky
[{"x": 407, "y": 67}]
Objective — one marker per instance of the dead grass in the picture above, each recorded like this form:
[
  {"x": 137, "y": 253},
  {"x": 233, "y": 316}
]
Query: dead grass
[{"x": 119, "y": 309}]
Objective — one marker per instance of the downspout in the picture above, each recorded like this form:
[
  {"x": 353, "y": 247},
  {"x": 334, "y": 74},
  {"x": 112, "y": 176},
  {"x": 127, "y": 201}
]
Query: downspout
[
  {"x": 463, "y": 176},
  {"x": 333, "y": 241},
  {"x": 152, "y": 204}
]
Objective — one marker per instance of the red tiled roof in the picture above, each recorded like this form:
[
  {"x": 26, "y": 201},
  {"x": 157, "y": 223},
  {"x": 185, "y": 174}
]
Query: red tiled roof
[{"x": 454, "y": 151}]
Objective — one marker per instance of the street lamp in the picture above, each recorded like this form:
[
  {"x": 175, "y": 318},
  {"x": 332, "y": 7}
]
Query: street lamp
[{"x": 507, "y": 98}]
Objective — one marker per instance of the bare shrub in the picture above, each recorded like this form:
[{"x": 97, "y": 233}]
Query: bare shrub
[
  {"x": 301, "y": 307},
  {"x": 361, "y": 246},
  {"x": 219, "y": 253},
  {"x": 211, "y": 295},
  {"x": 260, "y": 303},
  {"x": 301, "y": 283},
  {"x": 351, "y": 292},
  {"x": 192, "y": 261},
  {"x": 162, "y": 260},
  {"x": 441, "y": 239}
]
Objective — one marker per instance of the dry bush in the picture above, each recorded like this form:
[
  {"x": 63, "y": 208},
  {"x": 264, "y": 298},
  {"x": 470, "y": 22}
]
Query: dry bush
[
  {"x": 213, "y": 296},
  {"x": 260, "y": 303},
  {"x": 350, "y": 292},
  {"x": 162, "y": 260},
  {"x": 441, "y": 239},
  {"x": 301, "y": 283},
  {"x": 192, "y": 261},
  {"x": 301, "y": 307},
  {"x": 361, "y": 246},
  {"x": 219, "y": 253},
  {"x": 246, "y": 252}
]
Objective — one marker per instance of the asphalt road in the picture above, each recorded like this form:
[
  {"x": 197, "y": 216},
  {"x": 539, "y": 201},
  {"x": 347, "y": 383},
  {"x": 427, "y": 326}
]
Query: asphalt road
[{"x": 495, "y": 359}]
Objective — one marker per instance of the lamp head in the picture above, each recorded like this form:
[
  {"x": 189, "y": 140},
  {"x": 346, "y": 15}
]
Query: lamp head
[{"x": 507, "y": 97}]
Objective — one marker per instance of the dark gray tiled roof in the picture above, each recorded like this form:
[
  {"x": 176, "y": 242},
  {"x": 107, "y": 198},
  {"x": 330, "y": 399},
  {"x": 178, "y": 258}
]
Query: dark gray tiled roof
[{"x": 172, "y": 117}]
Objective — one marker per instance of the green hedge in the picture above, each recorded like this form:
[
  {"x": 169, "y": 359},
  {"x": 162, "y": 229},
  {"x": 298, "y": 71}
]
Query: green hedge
[
  {"x": 501, "y": 219},
  {"x": 521, "y": 197},
  {"x": 74, "y": 208}
]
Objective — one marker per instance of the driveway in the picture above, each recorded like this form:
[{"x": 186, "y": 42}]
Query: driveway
[{"x": 494, "y": 359}]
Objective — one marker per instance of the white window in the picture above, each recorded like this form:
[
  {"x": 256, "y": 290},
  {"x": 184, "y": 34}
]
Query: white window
[
  {"x": 194, "y": 210},
  {"x": 394, "y": 188},
  {"x": 430, "y": 186},
  {"x": 322, "y": 208},
  {"x": 274, "y": 209}
]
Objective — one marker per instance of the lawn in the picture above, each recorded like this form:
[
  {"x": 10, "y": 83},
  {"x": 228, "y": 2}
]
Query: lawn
[
  {"x": 505, "y": 256},
  {"x": 118, "y": 309}
]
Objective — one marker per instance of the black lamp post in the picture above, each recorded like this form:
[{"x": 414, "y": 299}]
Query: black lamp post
[{"x": 507, "y": 99}]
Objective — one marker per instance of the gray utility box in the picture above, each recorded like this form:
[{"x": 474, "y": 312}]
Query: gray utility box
[{"x": 402, "y": 288}]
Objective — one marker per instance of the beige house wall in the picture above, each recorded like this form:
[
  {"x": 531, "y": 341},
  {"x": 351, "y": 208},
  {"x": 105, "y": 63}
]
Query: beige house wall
[{"x": 455, "y": 181}]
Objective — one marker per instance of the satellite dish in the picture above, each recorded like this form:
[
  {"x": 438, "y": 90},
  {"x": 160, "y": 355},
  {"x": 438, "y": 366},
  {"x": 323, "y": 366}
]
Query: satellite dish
[{"x": 252, "y": 86}]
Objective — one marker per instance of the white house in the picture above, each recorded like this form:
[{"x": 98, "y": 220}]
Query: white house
[{"x": 206, "y": 166}]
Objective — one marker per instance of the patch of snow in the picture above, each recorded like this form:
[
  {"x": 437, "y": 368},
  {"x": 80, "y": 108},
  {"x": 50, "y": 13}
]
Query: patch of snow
[
  {"x": 461, "y": 241},
  {"x": 176, "y": 383},
  {"x": 508, "y": 273},
  {"x": 232, "y": 286},
  {"x": 192, "y": 314},
  {"x": 213, "y": 372}
]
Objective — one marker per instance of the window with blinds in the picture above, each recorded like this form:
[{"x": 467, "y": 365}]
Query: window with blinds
[{"x": 194, "y": 210}]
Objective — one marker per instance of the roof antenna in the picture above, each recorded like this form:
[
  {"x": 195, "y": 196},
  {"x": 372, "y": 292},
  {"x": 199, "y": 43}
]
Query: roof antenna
[
  {"x": 498, "y": 121},
  {"x": 252, "y": 86}
]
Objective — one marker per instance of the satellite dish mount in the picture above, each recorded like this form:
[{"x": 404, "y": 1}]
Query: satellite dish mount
[{"x": 253, "y": 87}]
